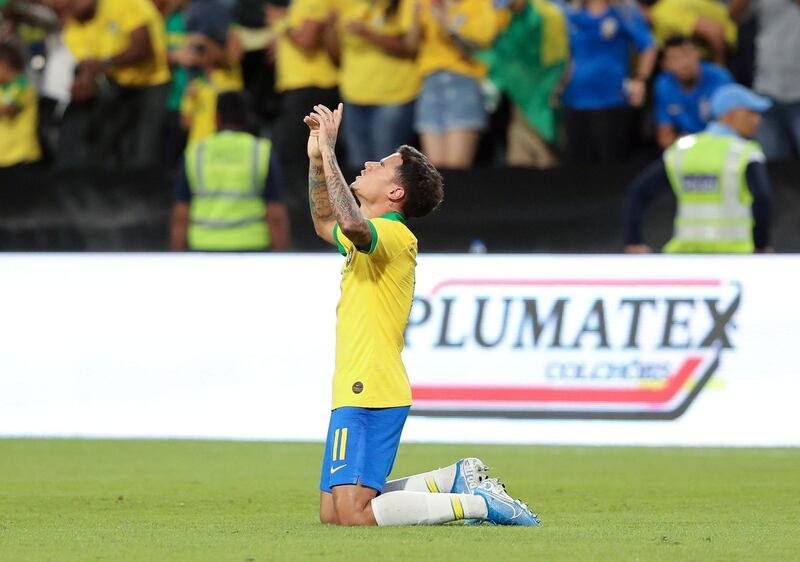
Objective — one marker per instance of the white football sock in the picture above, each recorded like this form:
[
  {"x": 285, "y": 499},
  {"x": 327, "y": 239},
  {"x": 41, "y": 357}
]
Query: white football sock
[
  {"x": 424, "y": 508},
  {"x": 439, "y": 480}
]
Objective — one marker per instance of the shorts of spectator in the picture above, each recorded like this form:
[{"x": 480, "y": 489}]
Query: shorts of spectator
[
  {"x": 450, "y": 102},
  {"x": 526, "y": 146},
  {"x": 372, "y": 132}
]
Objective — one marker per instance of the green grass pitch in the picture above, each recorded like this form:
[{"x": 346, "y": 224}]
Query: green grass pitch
[{"x": 65, "y": 500}]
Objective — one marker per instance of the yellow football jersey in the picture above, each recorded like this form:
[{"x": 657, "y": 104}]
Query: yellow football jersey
[
  {"x": 19, "y": 143},
  {"x": 368, "y": 75},
  {"x": 107, "y": 34},
  {"x": 475, "y": 20},
  {"x": 371, "y": 318}
]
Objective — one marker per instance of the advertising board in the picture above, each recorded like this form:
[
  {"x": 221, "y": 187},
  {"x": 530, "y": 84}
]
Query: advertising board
[{"x": 654, "y": 350}]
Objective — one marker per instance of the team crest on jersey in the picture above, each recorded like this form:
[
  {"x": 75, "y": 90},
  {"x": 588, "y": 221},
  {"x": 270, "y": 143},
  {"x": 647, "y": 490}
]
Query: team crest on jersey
[{"x": 608, "y": 29}]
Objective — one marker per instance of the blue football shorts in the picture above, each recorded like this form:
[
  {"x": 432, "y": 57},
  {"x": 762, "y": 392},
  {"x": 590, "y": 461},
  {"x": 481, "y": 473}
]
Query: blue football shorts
[{"x": 361, "y": 447}]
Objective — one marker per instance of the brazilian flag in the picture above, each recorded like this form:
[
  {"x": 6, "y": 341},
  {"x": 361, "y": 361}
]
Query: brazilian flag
[{"x": 528, "y": 60}]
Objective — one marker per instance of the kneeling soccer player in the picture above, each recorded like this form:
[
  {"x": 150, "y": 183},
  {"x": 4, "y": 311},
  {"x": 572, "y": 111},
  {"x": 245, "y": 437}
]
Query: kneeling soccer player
[{"x": 371, "y": 393}]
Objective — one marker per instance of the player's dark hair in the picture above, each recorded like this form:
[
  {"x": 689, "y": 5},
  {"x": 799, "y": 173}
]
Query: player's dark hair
[
  {"x": 11, "y": 56},
  {"x": 422, "y": 182},
  {"x": 675, "y": 41}
]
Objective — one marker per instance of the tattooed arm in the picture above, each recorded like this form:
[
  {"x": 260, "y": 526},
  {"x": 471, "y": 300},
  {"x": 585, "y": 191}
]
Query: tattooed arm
[
  {"x": 343, "y": 203},
  {"x": 318, "y": 201}
]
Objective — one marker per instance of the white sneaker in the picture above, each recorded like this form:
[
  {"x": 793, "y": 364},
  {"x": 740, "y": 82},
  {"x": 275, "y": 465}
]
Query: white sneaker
[
  {"x": 502, "y": 508},
  {"x": 470, "y": 472}
]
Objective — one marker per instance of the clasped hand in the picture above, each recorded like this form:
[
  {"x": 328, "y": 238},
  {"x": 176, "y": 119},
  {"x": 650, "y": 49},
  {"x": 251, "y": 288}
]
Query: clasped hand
[{"x": 323, "y": 124}]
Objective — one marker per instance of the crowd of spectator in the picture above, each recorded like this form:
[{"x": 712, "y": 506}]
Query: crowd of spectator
[{"x": 130, "y": 83}]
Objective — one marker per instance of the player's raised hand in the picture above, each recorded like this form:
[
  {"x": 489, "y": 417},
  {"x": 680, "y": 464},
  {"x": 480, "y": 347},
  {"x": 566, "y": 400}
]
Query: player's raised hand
[
  {"x": 314, "y": 152},
  {"x": 329, "y": 123}
]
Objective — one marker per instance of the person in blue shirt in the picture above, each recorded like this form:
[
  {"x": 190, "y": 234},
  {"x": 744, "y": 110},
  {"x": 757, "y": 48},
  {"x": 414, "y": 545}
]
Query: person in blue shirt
[
  {"x": 601, "y": 93},
  {"x": 683, "y": 90}
]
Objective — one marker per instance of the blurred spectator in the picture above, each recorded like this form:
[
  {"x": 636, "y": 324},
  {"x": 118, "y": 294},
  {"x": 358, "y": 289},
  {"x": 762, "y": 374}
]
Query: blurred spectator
[
  {"x": 777, "y": 73},
  {"x": 719, "y": 179},
  {"x": 450, "y": 113},
  {"x": 527, "y": 62},
  {"x": 217, "y": 74},
  {"x": 683, "y": 90},
  {"x": 174, "y": 14},
  {"x": 230, "y": 194},
  {"x": 210, "y": 18},
  {"x": 19, "y": 144},
  {"x": 121, "y": 84},
  {"x": 256, "y": 40},
  {"x": 704, "y": 20},
  {"x": 305, "y": 75},
  {"x": 599, "y": 97},
  {"x": 378, "y": 77}
]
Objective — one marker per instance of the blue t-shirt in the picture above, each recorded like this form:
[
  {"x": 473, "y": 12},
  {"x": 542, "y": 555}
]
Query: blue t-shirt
[
  {"x": 688, "y": 111},
  {"x": 601, "y": 49}
]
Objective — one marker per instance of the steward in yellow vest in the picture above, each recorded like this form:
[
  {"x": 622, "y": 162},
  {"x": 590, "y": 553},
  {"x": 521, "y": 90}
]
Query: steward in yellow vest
[
  {"x": 719, "y": 179},
  {"x": 230, "y": 194}
]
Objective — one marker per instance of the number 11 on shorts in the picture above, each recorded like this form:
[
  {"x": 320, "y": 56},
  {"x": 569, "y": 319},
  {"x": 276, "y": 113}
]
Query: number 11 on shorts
[{"x": 339, "y": 447}]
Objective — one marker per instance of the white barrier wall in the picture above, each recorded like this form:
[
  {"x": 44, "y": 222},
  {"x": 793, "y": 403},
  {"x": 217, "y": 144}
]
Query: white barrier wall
[{"x": 657, "y": 350}]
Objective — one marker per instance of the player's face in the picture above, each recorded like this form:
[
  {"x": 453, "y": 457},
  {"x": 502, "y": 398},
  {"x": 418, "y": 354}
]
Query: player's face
[
  {"x": 683, "y": 61},
  {"x": 377, "y": 179}
]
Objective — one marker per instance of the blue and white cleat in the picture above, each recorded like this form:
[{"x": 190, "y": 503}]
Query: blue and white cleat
[
  {"x": 503, "y": 509},
  {"x": 470, "y": 473}
]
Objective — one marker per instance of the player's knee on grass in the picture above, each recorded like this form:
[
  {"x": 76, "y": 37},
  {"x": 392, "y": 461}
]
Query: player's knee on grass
[{"x": 352, "y": 506}]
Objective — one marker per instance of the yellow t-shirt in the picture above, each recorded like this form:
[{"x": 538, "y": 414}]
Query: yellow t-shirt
[
  {"x": 368, "y": 74},
  {"x": 679, "y": 17},
  {"x": 474, "y": 20},
  {"x": 297, "y": 68},
  {"x": 108, "y": 34},
  {"x": 371, "y": 318},
  {"x": 199, "y": 103},
  {"x": 18, "y": 141}
]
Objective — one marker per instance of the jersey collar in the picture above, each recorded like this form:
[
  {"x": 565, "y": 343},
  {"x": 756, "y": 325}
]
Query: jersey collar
[{"x": 394, "y": 216}]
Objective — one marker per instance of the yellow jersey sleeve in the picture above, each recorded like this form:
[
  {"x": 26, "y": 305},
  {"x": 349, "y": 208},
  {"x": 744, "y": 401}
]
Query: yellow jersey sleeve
[{"x": 389, "y": 237}]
